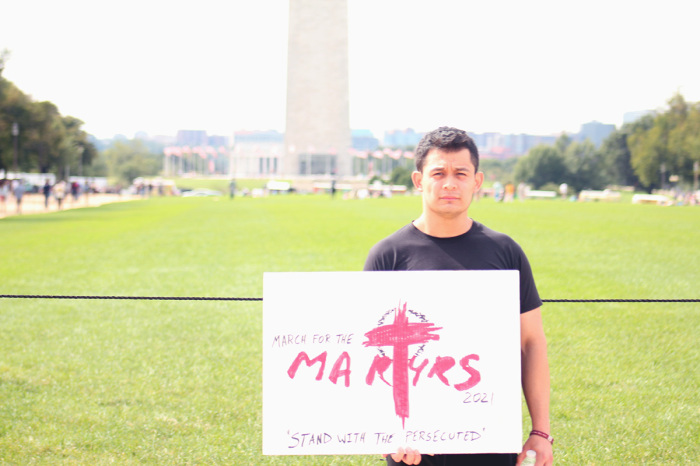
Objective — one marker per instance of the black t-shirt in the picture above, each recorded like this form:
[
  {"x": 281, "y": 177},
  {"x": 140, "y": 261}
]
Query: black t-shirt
[{"x": 480, "y": 248}]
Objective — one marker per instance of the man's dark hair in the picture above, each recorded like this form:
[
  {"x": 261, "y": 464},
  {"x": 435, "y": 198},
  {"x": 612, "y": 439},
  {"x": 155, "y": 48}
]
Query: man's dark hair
[{"x": 447, "y": 139}]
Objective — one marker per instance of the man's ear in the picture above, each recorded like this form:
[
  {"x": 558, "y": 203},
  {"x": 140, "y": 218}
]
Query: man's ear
[
  {"x": 417, "y": 178},
  {"x": 479, "y": 178}
]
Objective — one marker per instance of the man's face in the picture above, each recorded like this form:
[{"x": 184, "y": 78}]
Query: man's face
[{"x": 448, "y": 182}]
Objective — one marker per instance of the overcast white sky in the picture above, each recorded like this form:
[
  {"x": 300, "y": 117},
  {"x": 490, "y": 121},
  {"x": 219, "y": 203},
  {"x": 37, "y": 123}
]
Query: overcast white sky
[{"x": 538, "y": 66}]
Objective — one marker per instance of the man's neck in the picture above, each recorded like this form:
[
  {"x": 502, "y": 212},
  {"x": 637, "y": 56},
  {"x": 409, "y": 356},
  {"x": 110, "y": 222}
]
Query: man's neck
[{"x": 443, "y": 228}]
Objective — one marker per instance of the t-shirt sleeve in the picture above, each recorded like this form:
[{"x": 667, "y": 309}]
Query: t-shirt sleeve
[
  {"x": 384, "y": 255},
  {"x": 377, "y": 259},
  {"x": 529, "y": 296}
]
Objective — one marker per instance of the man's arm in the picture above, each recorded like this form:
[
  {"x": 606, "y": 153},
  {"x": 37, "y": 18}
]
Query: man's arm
[{"x": 535, "y": 381}]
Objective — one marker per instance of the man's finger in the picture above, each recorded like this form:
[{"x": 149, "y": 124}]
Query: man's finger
[
  {"x": 412, "y": 456},
  {"x": 398, "y": 456}
]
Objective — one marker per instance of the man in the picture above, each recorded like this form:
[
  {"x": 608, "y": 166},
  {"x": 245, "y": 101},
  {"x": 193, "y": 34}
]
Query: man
[
  {"x": 232, "y": 189},
  {"x": 444, "y": 237},
  {"x": 19, "y": 193},
  {"x": 47, "y": 193},
  {"x": 59, "y": 192}
]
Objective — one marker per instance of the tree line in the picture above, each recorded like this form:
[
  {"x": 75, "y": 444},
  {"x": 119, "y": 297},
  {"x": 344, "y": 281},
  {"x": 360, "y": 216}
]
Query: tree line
[
  {"x": 34, "y": 136},
  {"x": 648, "y": 154}
]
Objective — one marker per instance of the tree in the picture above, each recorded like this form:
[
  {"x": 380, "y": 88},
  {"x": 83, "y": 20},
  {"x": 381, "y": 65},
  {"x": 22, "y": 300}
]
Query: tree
[
  {"x": 584, "y": 166},
  {"x": 45, "y": 135},
  {"x": 47, "y": 141},
  {"x": 401, "y": 175},
  {"x": 668, "y": 146},
  {"x": 495, "y": 169},
  {"x": 78, "y": 150},
  {"x": 97, "y": 167},
  {"x": 4, "y": 56},
  {"x": 616, "y": 156},
  {"x": 563, "y": 142},
  {"x": 684, "y": 142},
  {"x": 543, "y": 164},
  {"x": 647, "y": 149},
  {"x": 127, "y": 160},
  {"x": 14, "y": 108}
]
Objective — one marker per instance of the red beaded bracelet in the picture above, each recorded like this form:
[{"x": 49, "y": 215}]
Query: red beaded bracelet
[{"x": 539, "y": 433}]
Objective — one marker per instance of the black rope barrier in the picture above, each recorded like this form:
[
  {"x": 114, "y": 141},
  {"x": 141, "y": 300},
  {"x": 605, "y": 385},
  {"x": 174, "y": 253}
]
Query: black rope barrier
[
  {"x": 621, "y": 300},
  {"x": 206, "y": 298},
  {"x": 147, "y": 298}
]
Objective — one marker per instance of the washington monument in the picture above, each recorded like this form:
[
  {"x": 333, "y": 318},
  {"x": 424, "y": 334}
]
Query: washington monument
[{"x": 317, "y": 134}]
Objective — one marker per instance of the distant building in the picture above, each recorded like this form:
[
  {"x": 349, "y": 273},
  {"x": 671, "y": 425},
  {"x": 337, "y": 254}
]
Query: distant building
[
  {"x": 402, "y": 138},
  {"x": 218, "y": 141},
  {"x": 595, "y": 131},
  {"x": 501, "y": 146},
  {"x": 538, "y": 140},
  {"x": 317, "y": 135},
  {"x": 191, "y": 138},
  {"x": 256, "y": 153},
  {"x": 165, "y": 140},
  {"x": 519, "y": 143},
  {"x": 192, "y": 151},
  {"x": 631, "y": 117},
  {"x": 363, "y": 139}
]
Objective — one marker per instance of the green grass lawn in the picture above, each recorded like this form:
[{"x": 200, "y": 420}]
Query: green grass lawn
[{"x": 179, "y": 382}]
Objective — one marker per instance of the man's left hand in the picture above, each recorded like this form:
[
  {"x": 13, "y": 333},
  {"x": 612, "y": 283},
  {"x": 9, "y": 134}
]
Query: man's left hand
[{"x": 545, "y": 456}]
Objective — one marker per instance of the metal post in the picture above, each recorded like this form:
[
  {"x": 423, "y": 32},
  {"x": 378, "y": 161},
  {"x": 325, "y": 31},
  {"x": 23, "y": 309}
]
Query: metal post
[
  {"x": 663, "y": 176},
  {"x": 15, "y": 136},
  {"x": 81, "y": 149}
]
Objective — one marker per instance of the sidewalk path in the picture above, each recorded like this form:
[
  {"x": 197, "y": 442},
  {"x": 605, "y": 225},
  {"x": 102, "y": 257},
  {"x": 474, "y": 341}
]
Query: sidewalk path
[{"x": 34, "y": 203}]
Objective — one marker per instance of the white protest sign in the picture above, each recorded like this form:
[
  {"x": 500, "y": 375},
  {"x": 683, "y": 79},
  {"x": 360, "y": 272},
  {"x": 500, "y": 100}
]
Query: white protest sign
[{"x": 366, "y": 362}]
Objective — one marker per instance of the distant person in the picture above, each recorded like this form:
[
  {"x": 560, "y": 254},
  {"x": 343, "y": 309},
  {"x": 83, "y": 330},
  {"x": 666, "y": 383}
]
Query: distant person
[
  {"x": 4, "y": 191},
  {"x": 47, "y": 193},
  {"x": 498, "y": 191},
  {"x": 563, "y": 190},
  {"x": 75, "y": 190},
  {"x": 509, "y": 192},
  {"x": 59, "y": 192},
  {"x": 444, "y": 237},
  {"x": 19, "y": 194},
  {"x": 232, "y": 189},
  {"x": 522, "y": 191},
  {"x": 85, "y": 188}
]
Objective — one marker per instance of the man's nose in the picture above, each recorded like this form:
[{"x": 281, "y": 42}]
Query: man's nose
[{"x": 449, "y": 183}]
